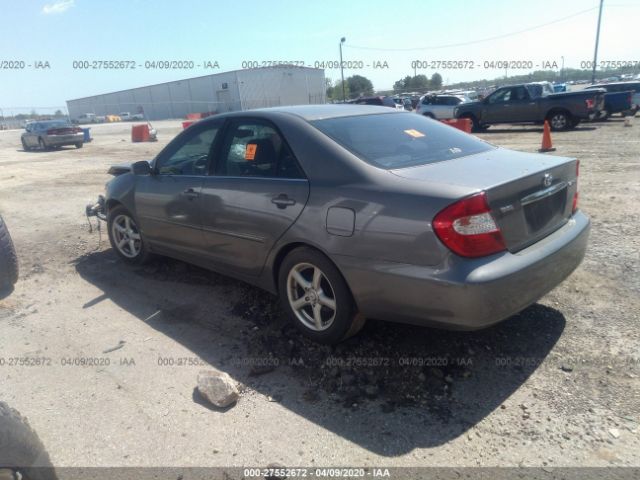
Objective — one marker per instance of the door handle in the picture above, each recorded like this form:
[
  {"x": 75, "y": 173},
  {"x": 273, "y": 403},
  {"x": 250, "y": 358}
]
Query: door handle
[
  {"x": 190, "y": 193},
  {"x": 283, "y": 201}
]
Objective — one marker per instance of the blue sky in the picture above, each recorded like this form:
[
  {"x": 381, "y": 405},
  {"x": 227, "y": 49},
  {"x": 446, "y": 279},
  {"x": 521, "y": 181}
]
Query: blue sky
[{"x": 230, "y": 32}]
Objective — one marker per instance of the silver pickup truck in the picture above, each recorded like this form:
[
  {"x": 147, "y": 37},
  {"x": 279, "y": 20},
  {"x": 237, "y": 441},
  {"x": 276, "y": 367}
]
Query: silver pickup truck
[{"x": 532, "y": 103}]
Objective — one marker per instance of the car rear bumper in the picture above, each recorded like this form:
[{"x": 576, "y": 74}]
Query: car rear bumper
[
  {"x": 60, "y": 140},
  {"x": 466, "y": 293}
]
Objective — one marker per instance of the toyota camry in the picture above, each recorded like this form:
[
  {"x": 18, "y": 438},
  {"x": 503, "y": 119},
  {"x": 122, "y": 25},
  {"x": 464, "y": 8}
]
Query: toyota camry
[{"x": 351, "y": 212}]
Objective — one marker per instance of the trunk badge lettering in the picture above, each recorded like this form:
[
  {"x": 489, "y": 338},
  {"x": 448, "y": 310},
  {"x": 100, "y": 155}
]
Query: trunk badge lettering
[
  {"x": 506, "y": 209},
  {"x": 547, "y": 180}
]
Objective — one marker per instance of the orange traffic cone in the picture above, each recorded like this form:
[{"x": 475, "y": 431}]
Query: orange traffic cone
[{"x": 547, "y": 146}]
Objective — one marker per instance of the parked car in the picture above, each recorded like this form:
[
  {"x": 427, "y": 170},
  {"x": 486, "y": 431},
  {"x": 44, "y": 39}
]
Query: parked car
[
  {"x": 51, "y": 134},
  {"x": 439, "y": 106},
  {"x": 130, "y": 117},
  {"x": 533, "y": 103},
  {"x": 86, "y": 118},
  {"x": 349, "y": 213},
  {"x": 627, "y": 92},
  {"x": 112, "y": 118},
  {"x": 404, "y": 102},
  {"x": 383, "y": 101}
]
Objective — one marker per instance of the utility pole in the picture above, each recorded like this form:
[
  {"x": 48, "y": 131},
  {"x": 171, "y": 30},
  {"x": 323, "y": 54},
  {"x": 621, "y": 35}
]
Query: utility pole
[
  {"x": 595, "y": 53},
  {"x": 344, "y": 95}
]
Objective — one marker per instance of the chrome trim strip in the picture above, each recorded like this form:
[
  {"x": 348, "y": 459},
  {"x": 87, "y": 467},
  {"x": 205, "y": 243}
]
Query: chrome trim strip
[{"x": 547, "y": 192}]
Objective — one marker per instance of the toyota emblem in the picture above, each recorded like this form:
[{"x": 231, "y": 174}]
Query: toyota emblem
[{"x": 547, "y": 180}]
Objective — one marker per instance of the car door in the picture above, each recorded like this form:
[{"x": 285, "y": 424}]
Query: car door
[
  {"x": 521, "y": 106},
  {"x": 256, "y": 192},
  {"x": 168, "y": 202},
  {"x": 450, "y": 103},
  {"x": 438, "y": 107},
  {"x": 497, "y": 107}
]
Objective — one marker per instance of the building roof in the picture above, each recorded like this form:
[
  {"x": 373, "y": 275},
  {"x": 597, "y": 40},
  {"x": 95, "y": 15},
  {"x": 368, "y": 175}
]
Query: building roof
[{"x": 194, "y": 78}]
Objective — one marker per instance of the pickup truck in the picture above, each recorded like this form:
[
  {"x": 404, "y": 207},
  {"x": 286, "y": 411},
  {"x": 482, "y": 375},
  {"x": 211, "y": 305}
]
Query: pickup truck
[
  {"x": 532, "y": 103},
  {"x": 131, "y": 117},
  {"x": 621, "y": 97}
]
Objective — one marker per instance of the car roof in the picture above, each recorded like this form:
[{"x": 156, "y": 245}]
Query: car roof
[{"x": 317, "y": 112}]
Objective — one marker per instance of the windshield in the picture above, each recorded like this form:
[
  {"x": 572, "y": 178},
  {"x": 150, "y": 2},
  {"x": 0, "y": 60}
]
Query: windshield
[{"x": 403, "y": 140}]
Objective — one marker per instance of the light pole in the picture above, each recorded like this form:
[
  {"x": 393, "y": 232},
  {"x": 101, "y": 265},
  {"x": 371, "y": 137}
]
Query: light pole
[
  {"x": 344, "y": 94},
  {"x": 595, "y": 52},
  {"x": 562, "y": 69}
]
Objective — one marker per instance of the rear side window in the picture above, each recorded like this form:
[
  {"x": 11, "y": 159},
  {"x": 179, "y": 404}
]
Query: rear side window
[
  {"x": 399, "y": 140},
  {"x": 256, "y": 149}
]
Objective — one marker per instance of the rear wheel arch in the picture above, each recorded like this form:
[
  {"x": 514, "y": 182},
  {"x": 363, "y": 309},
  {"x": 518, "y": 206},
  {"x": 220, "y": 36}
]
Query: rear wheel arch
[
  {"x": 348, "y": 319},
  {"x": 290, "y": 247}
]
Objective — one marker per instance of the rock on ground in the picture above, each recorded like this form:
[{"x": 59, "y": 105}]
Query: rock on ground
[{"x": 218, "y": 388}]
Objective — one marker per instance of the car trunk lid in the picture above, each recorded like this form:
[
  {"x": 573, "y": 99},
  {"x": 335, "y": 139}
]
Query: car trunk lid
[{"x": 530, "y": 195}]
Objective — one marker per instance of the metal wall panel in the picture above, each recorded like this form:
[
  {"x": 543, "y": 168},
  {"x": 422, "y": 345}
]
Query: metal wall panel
[{"x": 245, "y": 89}]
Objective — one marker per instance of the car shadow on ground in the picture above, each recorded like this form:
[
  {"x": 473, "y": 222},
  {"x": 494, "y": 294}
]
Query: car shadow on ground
[{"x": 390, "y": 389}]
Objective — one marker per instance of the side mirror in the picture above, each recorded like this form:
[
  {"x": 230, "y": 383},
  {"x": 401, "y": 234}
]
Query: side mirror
[{"x": 141, "y": 168}]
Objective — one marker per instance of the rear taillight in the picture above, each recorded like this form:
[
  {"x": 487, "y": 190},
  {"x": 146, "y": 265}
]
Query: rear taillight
[
  {"x": 589, "y": 102},
  {"x": 468, "y": 229},
  {"x": 575, "y": 195}
]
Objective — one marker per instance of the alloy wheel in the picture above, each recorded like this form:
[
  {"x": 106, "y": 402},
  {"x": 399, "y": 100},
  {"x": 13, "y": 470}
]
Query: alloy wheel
[
  {"x": 311, "y": 297},
  {"x": 126, "y": 236},
  {"x": 559, "y": 121}
]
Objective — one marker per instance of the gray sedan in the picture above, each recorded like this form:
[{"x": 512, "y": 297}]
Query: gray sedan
[
  {"x": 348, "y": 212},
  {"x": 51, "y": 134}
]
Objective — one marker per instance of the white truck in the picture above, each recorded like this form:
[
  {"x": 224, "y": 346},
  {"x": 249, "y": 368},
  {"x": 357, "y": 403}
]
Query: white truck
[{"x": 131, "y": 117}]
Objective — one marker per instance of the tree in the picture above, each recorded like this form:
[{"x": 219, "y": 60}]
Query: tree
[
  {"x": 359, "y": 86},
  {"x": 58, "y": 113},
  {"x": 410, "y": 84},
  {"x": 334, "y": 92},
  {"x": 436, "y": 81}
]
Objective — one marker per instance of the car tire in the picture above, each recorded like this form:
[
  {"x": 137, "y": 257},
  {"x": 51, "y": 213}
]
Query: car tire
[
  {"x": 316, "y": 297},
  {"x": 476, "y": 126},
  {"x": 559, "y": 120},
  {"x": 25, "y": 147},
  {"x": 20, "y": 448},
  {"x": 125, "y": 236},
  {"x": 42, "y": 144},
  {"x": 8, "y": 258},
  {"x": 79, "y": 145}
]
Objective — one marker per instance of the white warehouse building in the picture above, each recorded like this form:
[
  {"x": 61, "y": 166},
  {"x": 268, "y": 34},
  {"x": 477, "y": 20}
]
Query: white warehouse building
[{"x": 219, "y": 93}]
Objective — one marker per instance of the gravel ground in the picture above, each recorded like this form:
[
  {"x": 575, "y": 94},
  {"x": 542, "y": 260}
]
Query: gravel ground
[{"x": 556, "y": 385}]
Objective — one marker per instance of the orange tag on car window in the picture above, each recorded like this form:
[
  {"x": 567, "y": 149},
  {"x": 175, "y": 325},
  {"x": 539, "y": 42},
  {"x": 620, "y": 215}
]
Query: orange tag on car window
[
  {"x": 250, "y": 152},
  {"x": 414, "y": 133}
]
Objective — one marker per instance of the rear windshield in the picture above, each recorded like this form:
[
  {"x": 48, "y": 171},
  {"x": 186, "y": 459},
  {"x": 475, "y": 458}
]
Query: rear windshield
[{"x": 400, "y": 140}]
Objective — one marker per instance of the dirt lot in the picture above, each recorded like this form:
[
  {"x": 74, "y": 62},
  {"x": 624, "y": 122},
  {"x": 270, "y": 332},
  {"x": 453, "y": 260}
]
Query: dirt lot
[{"x": 556, "y": 385}]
